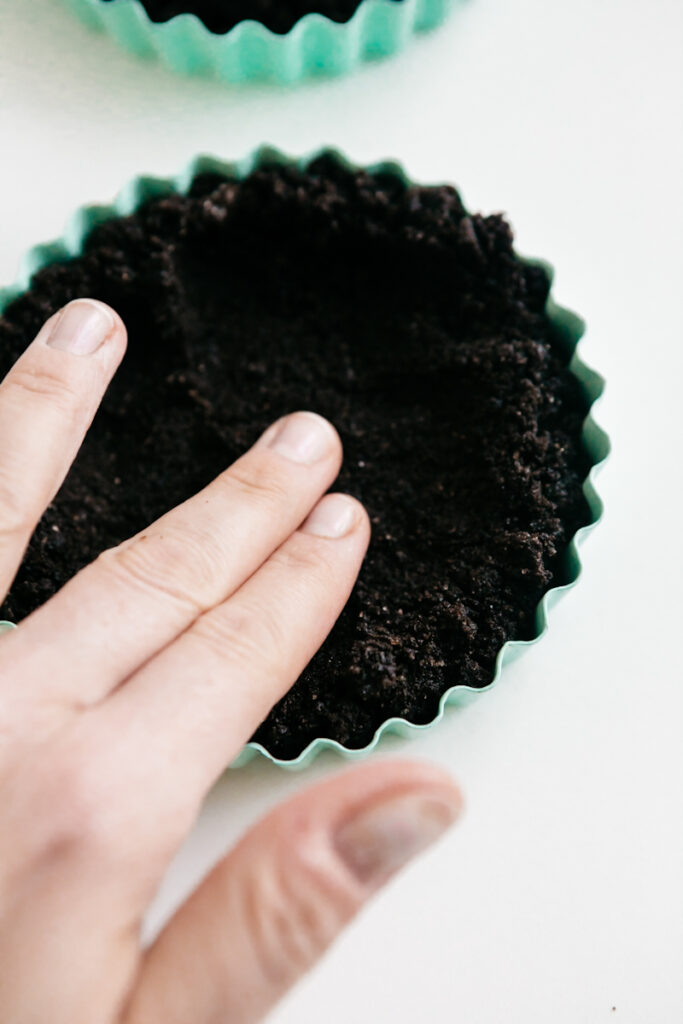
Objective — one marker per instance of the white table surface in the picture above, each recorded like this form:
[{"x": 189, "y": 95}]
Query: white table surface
[{"x": 560, "y": 896}]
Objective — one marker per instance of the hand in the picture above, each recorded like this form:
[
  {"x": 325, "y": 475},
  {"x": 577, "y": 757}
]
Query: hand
[{"x": 125, "y": 696}]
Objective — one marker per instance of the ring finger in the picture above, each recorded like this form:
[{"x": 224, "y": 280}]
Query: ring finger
[{"x": 188, "y": 711}]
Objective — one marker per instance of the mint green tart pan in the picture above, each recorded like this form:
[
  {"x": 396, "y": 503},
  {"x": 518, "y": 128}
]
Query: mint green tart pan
[
  {"x": 569, "y": 330},
  {"x": 314, "y": 46}
]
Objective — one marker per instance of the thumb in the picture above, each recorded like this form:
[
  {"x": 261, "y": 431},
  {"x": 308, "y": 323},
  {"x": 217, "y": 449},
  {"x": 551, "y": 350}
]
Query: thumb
[{"x": 269, "y": 910}]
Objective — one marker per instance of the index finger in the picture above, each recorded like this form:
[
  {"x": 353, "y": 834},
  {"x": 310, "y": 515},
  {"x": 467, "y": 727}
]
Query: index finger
[{"x": 47, "y": 402}]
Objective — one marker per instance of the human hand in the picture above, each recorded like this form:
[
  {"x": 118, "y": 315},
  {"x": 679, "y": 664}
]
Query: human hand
[{"x": 125, "y": 696}]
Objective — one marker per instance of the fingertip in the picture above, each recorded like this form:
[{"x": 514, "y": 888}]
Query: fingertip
[
  {"x": 363, "y": 524},
  {"x": 325, "y": 424},
  {"x": 374, "y": 819},
  {"x": 84, "y": 327},
  {"x": 409, "y": 808},
  {"x": 395, "y": 775},
  {"x": 334, "y": 441},
  {"x": 118, "y": 334},
  {"x": 349, "y": 792},
  {"x": 115, "y": 344},
  {"x": 336, "y": 516},
  {"x": 304, "y": 437},
  {"x": 429, "y": 778}
]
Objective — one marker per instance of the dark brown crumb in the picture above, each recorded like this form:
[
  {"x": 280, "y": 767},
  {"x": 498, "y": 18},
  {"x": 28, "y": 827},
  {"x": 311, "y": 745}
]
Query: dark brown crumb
[
  {"x": 417, "y": 331},
  {"x": 278, "y": 15}
]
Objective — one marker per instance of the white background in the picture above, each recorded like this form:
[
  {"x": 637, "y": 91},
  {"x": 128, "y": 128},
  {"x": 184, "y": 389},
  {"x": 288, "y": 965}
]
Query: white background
[{"x": 560, "y": 896}]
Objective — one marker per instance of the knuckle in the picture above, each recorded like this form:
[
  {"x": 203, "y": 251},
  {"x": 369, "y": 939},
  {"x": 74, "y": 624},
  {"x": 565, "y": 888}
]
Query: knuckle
[
  {"x": 264, "y": 487},
  {"x": 300, "y": 558},
  {"x": 295, "y": 908},
  {"x": 60, "y": 815},
  {"x": 248, "y": 637},
  {"x": 179, "y": 568},
  {"x": 43, "y": 384},
  {"x": 78, "y": 816}
]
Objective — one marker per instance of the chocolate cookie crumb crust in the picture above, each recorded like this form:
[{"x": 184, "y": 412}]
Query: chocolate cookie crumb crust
[{"x": 417, "y": 331}]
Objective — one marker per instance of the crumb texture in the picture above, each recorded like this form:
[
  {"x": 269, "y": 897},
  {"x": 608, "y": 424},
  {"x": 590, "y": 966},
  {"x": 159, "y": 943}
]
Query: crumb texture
[
  {"x": 410, "y": 324},
  {"x": 278, "y": 15}
]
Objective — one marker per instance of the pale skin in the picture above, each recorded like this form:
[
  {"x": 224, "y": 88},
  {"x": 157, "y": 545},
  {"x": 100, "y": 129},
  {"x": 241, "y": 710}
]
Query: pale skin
[{"x": 124, "y": 698}]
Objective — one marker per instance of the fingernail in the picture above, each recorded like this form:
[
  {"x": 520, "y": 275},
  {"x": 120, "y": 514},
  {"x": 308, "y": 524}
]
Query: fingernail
[
  {"x": 302, "y": 437},
  {"x": 382, "y": 839},
  {"x": 81, "y": 327},
  {"x": 332, "y": 517}
]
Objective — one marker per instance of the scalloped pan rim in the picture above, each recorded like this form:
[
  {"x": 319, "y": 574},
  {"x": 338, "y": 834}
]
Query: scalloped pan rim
[{"x": 315, "y": 45}]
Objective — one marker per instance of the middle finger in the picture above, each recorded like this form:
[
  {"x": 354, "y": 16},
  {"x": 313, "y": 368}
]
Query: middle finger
[{"x": 136, "y": 598}]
